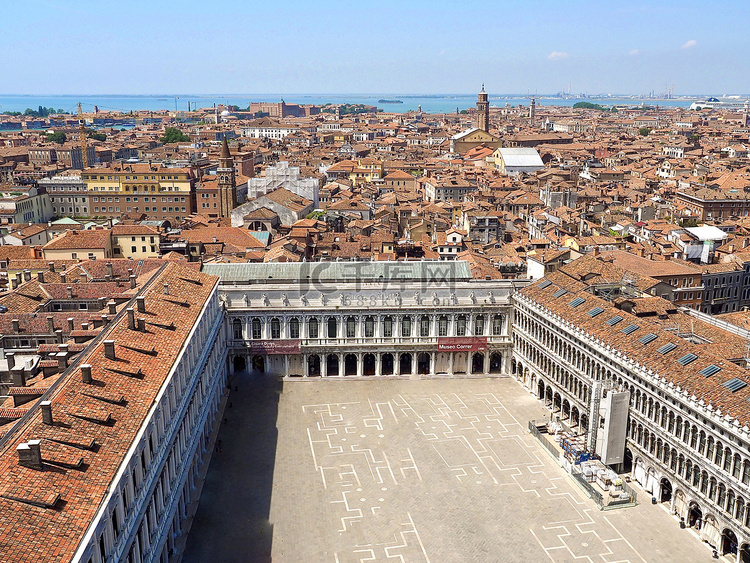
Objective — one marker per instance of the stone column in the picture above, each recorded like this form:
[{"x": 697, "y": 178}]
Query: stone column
[
  {"x": 450, "y": 364},
  {"x": 396, "y": 363},
  {"x": 305, "y": 366},
  {"x": 378, "y": 359},
  {"x": 486, "y": 363},
  {"x": 433, "y": 362},
  {"x": 414, "y": 362},
  {"x": 469, "y": 362},
  {"x": 360, "y": 362},
  {"x": 506, "y": 362},
  {"x": 341, "y": 365}
]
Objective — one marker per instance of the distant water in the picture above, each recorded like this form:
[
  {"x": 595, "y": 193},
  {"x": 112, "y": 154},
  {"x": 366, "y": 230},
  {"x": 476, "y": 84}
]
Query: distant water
[{"x": 441, "y": 103}]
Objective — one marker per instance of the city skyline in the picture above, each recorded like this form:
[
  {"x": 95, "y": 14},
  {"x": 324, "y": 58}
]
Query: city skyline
[{"x": 629, "y": 49}]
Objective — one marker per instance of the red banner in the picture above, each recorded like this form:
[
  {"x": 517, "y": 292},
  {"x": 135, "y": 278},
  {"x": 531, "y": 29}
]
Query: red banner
[
  {"x": 462, "y": 344},
  {"x": 275, "y": 346}
]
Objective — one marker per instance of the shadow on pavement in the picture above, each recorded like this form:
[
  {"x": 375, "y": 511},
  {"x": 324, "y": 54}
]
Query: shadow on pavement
[{"x": 232, "y": 520}]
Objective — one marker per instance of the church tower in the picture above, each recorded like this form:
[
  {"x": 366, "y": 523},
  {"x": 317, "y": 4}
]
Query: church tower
[
  {"x": 532, "y": 112},
  {"x": 483, "y": 111},
  {"x": 227, "y": 183}
]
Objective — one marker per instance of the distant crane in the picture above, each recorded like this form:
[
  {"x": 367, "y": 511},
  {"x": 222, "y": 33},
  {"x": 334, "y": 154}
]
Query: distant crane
[{"x": 82, "y": 138}]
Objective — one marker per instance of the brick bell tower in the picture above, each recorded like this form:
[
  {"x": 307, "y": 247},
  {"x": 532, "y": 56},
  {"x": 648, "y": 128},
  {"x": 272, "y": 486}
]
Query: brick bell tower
[
  {"x": 483, "y": 111},
  {"x": 227, "y": 181}
]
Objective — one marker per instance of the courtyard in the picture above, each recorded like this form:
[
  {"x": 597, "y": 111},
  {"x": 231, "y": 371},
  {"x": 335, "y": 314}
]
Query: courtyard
[{"x": 432, "y": 470}]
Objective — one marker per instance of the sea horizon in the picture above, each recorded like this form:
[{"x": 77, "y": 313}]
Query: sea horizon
[{"x": 429, "y": 103}]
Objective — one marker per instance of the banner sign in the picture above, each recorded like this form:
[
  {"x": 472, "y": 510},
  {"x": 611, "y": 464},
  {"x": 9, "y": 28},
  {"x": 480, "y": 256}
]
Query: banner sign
[
  {"x": 275, "y": 346},
  {"x": 462, "y": 344}
]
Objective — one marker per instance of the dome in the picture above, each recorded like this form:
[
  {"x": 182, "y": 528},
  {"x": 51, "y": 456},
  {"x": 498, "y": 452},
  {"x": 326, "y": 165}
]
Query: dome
[{"x": 225, "y": 113}]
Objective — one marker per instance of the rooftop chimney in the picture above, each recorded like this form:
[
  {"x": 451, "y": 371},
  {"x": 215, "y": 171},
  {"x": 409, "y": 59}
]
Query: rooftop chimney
[
  {"x": 86, "y": 373},
  {"x": 84, "y": 277},
  {"x": 40, "y": 277},
  {"x": 63, "y": 277},
  {"x": 84, "y": 326},
  {"x": 142, "y": 324},
  {"x": 105, "y": 320},
  {"x": 30, "y": 454},
  {"x": 109, "y": 349},
  {"x": 131, "y": 318},
  {"x": 59, "y": 334},
  {"x": 109, "y": 269},
  {"x": 166, "y": 289},
  {"x": 132, "y": 281},
  {"x": 51, "y": 324},
  {"x": 62, "y": 360},
  {"x": 70, "y": 324},
  {"x": 27, "y": 275},
  {"x": 16, "y": 326},
  {"x": 19, "y": 278},
  {"x": 141, "y": 303},
  {"x": 46, "y": 412},
  {"x": 13, "y": 283},
  {"x": 112, "y": 308},
  {"x": 11, "y": 358},
  {"x": 51, "y": 266}
]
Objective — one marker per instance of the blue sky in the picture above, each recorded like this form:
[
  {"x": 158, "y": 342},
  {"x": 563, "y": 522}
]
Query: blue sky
[{"x": 234, "y": 46}]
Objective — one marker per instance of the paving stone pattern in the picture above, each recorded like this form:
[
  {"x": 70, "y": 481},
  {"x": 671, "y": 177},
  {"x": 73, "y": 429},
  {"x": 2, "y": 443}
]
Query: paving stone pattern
[{"x": 437, "y": 471}]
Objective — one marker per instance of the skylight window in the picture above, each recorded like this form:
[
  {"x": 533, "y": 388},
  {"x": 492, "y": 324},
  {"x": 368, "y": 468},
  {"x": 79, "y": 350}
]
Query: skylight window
[
  {"x": 650, "y": 337},
  {"x": 668, "y": 347},
  {"x": 595, "y": 311},
  {"x": 560, "y": 293},
  {"x": 686, "y": 359},
  {"x": 734, "y": 384},
  {"x": 630, "y": 329},
  {"x": 545, "y": 284},
  {"x": 708, "y": 371},
  {"x": 614, "y": 320},
  {"x": 577, "y": 301}
]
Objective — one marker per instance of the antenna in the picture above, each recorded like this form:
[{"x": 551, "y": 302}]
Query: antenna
[{"x": 82, "y": 138}]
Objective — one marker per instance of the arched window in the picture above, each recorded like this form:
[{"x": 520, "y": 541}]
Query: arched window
[
  {"x": 294, "y": 328},
  {"x": 461, "y": 325},
  {"x": 443, "y": 325},
  {"x": 369, "y": 327},
  {"x": 406, "y": 327},
  {"x": 387, "y": 327},
  {"x": 332, "y": 328},
  {"x": 275, "y": 328},
  {"x": 737, "y": 467},
  {"x": 312, "y": 328},
  {"x": 351, "y": 327},
  {"x": 424, "y": 325},
  {"x": 257, "y": 332},
  {"x": 479, "y": 325},
  {"x": 497, "y": 325},
  {"x": 237, "y": 329}
]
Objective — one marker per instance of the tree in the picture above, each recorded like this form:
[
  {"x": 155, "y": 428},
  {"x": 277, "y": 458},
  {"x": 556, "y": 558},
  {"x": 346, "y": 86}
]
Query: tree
[
  {"x": 96, "y": 135},
  {"x": 57, "y": 137},
  {"x": 174, "y": 135},
  {"x": 644, "y": 131}
]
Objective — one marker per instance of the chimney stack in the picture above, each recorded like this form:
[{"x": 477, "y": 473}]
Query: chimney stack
[
  {"x": 40, "y": 277},
  {"x": 59, "y": 334},
  {"x": 109, "y": 270},
  {"x": 86, "y": 373},
  {"x": 131, "y": 318},
  {"x": 46, "y": 412},
  {"x": 11, "y": 358},
  {"x": 109, "y": 349},
  {"x": 16, "y": 326},
  {"x": 166, "y": 289},
  {"x": 112, "y": 307},
  {"x": 105, "y": 320},
  {"x": 27, "y": 275},
  {"x": 51, "y": 325},
  {"x": 141, "y": 303},
  {"x": 84, "y": 277},
  {"x": 63, "y": 277},
  {"x": 84, "y": 326},
  {"x": 142, "y": 324},
  {"x": 132, "y": 281},
  {"x": 70, "y": 292},
  {"x": 30, "y": 454},
  {"x": 70, "y": 324},
  {"x": 19, "y": 279},
  {"x": 51, "y": 267},
  {"x": 13, "y": 283}
]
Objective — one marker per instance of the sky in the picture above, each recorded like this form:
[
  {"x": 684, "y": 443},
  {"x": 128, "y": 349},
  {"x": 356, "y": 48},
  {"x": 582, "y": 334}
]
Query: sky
[{"x": 377, "y": 46}]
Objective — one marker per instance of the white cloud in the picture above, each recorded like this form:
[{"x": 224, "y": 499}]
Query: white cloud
[
  {"x": 689, "y": 44},
  {"x": 557, "y": 55},
  {"x": 634, "y": 52}
]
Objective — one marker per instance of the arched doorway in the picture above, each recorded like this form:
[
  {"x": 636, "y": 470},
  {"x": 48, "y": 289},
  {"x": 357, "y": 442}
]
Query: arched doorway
[
  {"x": 350, "y": 364},
  {"x": 728, "y": 542},
  {"x": 313, "y": 365},
  {"x": 239, "y": 364},
  {"x": 566, "y": 409},
  {"x": 695, "y": 514},
  {"x": 387, "y": 364},
  {"x": 496, "y": 362},
  {"x": 627, "y": 464},
  {"x": 477, "y": 362},
  {"x": 259, "y": 364},
  {"x": 404, "y": 364},
  {"x": 423, "y": 363},
  {"x": 541, "y": 389},
  {"x": 557, "y": 403},
  {"x": 368, "y": 364},
  {"x": 665, "y": 490},
  {"x": 332, "y": 365},
  {"x": 745, "y": 553},
  {"x": 584, "y": 422},
  {"x": 574, "y": 416}
]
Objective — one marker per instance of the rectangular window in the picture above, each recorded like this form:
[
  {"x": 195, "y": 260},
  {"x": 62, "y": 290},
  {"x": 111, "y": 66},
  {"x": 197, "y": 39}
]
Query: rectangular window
[{"x": 387, "y": 327}]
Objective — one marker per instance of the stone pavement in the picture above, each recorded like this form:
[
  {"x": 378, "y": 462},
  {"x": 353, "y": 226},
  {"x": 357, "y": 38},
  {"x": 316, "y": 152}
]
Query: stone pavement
[{"x": 417, "y": 471}]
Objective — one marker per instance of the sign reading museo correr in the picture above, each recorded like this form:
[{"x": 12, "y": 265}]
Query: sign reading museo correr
[
  {"x": 462, "y": 344},
  {"x": 275, "y": 346}
]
